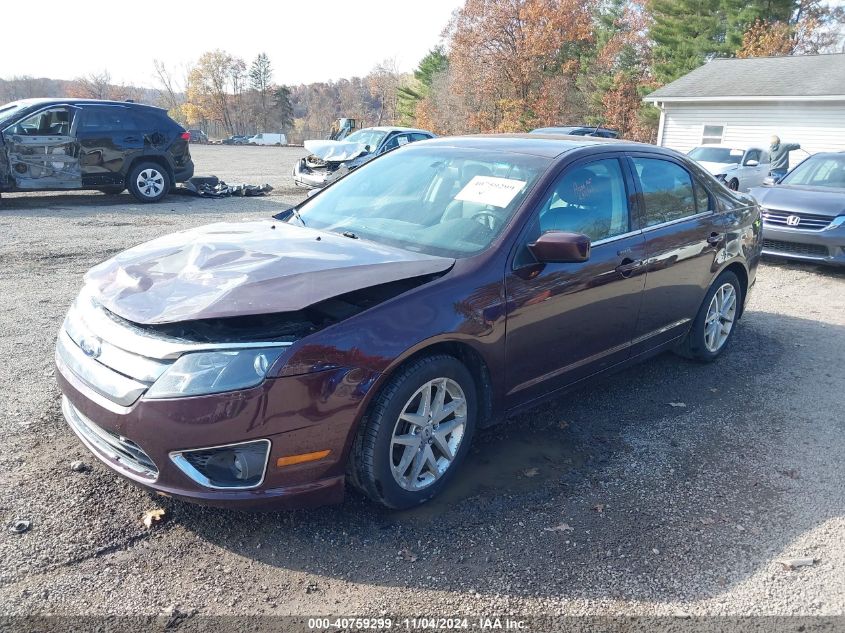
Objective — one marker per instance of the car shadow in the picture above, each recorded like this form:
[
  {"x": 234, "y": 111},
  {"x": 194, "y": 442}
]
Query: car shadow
[{"x": 671, "y": 480}]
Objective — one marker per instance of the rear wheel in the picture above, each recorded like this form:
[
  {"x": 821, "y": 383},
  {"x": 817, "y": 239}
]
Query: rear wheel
[
  {"x": 148, "y": 182},
  {"x": 715, "y": 322},
  {"x": 416, "y": 433}
]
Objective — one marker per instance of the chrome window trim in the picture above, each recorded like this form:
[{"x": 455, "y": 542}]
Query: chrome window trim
[
  {"x": 613, "y": 238},
  {"x": 178, "y": 458},
  {"x": 686, "y": 218}
]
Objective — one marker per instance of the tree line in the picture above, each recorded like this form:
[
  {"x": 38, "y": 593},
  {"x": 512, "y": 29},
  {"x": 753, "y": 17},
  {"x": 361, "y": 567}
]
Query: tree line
[{"x": 503, "y": 66}]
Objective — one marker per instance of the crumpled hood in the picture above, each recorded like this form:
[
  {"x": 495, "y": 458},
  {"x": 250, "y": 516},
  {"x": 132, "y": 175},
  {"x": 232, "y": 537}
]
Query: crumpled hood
[
  {"x": 335, "y": 151},
  {"x": 718, "y": 168},
  {"x": 817, "y": 200},
  {"x": 236, "y": 269}
]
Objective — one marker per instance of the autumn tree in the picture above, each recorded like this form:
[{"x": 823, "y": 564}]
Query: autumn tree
[
  {"x": 384, "y": 81},
  {"x": 261, "y": 78},
  {"x": 810, "y": 29},
  {"x": 210, "y": 87},
  {"x": 418, "y": 88},
  {"x": 510, "y": 57}
]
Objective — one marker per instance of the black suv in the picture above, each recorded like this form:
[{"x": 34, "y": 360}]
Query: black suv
[{"x": 58, "y": 144}]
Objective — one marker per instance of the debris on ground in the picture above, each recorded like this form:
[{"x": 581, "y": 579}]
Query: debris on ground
[
  {"x": 795, "y": 563},
  {"x": 19, "y": 526},
  {"x": 153, "y": 517},
  {"x": 311, "y": 587},
  {"x": 78, "y": 466},
  {"x": 213, "y": 187},
  {"x": 680, "y": 405},
  {"x": 560, "y": 527},
  {"x": 531, "y": 472},
  {"x": 408, "y": 555},
  {"x": 599, "y": 507}
]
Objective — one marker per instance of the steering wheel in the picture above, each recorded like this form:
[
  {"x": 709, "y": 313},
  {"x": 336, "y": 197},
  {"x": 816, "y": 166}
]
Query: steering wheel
[{"x": 487, "y": 219}]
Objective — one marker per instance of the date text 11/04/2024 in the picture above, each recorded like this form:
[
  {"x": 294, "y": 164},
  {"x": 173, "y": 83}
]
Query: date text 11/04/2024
[{"x": 421, "y": 623}]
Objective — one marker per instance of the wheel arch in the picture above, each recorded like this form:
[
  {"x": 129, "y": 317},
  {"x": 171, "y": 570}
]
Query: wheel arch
[
  {"x": 151, "y": 158},
  {"x": 738, "y": 269}
]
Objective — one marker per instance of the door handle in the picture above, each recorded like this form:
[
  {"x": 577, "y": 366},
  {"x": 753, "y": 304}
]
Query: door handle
[
  {"x": 715, "y": 238},
  {"x": 628, "y": 266}
]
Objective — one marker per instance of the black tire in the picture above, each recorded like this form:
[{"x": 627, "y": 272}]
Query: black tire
[
  {"x": 152, "y": 193},
  {"x": 693, "y": 346},
  {"x": 112, "y": 190},
  {"x": 370, "y": 468}
]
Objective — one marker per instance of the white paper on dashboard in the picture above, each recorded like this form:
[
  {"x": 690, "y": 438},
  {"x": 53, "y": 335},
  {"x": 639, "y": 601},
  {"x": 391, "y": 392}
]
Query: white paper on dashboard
[{"x": 497, "y": 192}]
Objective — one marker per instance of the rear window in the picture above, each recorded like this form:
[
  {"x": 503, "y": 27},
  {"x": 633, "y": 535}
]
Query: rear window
[{"x": 107, "y": 118}]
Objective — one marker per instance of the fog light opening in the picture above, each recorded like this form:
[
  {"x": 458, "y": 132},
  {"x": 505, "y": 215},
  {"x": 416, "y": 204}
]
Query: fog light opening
[{"x": 231, "y": 466}]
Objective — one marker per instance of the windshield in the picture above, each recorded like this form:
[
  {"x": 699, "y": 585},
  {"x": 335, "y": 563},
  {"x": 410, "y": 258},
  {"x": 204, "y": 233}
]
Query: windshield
[
  {"x": 716, "y": 155},
  {"x": 368, "y": 136},
  {"x": 819, "y": 171},
  {"x": 445, "y": 201}
]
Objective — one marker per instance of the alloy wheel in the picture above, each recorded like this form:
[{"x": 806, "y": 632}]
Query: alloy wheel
[
  {"x": 428, "y": 434},
  {"x": 720, "y": 317},
  {"x": 150, "y": 182}
]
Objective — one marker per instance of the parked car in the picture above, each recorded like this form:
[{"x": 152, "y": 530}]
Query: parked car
[
  {"x": 328, "y": 160},
  {"x": 578, "y": 130},
  {"x": 268, "y": 138},
  {"x": 198, "y": 137},
  {"x": 739, "y": 168},
  {"x": 59, "y": 144},
  {"x": 361, "y": 334},
  {"x": 804, "y": 215},
  {"x": 236, "y": 139}
]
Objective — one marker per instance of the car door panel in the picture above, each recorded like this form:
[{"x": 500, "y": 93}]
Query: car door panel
[
  {"x": 680, "y": 259},
  {"x": 566, "y": 321},
  {"x": 48, "y": 160},
  {"x": 109, "y": 140}
]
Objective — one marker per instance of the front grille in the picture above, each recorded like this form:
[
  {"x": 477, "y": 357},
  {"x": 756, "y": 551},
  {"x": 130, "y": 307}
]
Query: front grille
[
  {"x": 115, "y": 447},
  {"x": 795, "y": 248},
  {"x": 806, "y": 221}
]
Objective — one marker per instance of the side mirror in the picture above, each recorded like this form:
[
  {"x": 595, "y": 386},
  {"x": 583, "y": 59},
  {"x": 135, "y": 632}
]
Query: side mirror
[
  {"x": 769, "y": 181},
  {"x": 752, "y": 163},
  {"x": 561, "y": 247}
]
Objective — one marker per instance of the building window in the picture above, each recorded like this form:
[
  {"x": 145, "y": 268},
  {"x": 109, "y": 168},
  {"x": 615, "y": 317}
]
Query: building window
[{"x": 712, "y": 134}]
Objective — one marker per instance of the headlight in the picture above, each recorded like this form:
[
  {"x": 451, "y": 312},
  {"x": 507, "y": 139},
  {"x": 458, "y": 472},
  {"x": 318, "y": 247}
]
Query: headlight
[{"x": 201, "y": 373}]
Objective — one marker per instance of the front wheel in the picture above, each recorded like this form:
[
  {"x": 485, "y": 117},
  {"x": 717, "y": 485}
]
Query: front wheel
[
  {"x": 148, "y": 182},
  {"x": 716, "y": 320},
  {"x": 416, "y": 433}
]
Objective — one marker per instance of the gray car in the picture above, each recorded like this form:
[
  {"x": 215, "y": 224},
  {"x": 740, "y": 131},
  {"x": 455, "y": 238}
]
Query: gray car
[
  {"x": 328, "y": 160},
  {"x": 804, "y": 215}
]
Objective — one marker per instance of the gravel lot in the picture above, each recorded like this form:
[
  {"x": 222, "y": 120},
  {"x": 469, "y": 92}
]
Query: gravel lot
[{"x": 610, "y": 500}]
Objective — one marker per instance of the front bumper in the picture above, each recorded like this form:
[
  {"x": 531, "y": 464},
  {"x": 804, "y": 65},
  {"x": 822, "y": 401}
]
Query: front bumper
[
  {"x": 304, "y": 176},
  {"x": 137, "y": 436},
  {"x": 820, "y": 247}
]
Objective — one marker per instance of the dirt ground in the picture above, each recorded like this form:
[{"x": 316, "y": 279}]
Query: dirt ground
[{"x": 671, "y": 488}]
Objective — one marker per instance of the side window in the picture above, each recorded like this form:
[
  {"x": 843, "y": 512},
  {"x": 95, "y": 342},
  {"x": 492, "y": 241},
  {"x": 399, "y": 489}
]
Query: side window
[
  {"x": 106, "y": 119},
  {"x": 752, "y": 154},
  {"x": 397, "y": 140},
  {"x": 416, "y": 136},
  {"x": 589, "y": 199},
  {"x": 703, "y": 200},
  {"x": 52, "y": 122},
  {"x": 667, "y": 190}
]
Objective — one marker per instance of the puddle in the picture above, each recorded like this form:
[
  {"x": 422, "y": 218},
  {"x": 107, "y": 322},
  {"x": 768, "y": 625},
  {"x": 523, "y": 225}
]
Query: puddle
[{"x": 509, "y": 460}]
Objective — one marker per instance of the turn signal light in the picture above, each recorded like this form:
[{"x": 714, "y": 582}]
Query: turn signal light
[{"x": 290, "y": 460}]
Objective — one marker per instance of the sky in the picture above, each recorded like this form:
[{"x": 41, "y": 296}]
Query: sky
[{"x": 307, "y": 40}]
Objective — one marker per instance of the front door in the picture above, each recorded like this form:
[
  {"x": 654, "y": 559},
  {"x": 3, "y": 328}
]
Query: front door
[
  {"x": 109, "y": 138},
  {"x": 569, "y": 320},
  {"x": 683, "y": 235},
  {"x": 753, "y": 169},
  {"x": 42, "y": 150}
]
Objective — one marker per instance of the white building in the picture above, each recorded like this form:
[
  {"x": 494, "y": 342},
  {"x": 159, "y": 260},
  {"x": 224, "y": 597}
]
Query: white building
[{"x": 744, "y": 101}]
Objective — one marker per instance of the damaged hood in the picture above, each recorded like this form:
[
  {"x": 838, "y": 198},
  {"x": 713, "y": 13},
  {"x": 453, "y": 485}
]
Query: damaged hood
[
  {"x": 335, "y": 151},
  {"x": 717, "y": 168},
  {"x": 237, "y": 269}
]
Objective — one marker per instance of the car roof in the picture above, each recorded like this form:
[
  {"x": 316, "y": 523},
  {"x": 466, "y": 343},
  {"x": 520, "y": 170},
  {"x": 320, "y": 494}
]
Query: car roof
[
  {"x": 723, "y": 146},
  {"x": 571, "y": 127},
  {"x": 543, "y": 145},
  {"x": 39, "y": 101},
  {"x": 391, "y": 128}
]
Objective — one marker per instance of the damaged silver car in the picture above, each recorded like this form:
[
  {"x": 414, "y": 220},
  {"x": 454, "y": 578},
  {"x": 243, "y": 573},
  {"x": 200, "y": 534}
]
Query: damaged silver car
[{"x": 328, "y": 160}]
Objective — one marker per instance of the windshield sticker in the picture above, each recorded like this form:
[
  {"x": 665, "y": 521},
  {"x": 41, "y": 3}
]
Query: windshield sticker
[
  {"x": 402, "y": 140},
  {"x": 497, "y": 192}
]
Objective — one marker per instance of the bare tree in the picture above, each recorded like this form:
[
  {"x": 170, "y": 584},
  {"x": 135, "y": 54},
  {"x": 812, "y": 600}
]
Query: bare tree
[{"x": 93, "y": 86}]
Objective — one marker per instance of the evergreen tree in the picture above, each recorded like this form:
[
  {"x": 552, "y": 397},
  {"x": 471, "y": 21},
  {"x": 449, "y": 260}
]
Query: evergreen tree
[
  {"x": 260, "y": 78},
  {"x": 284, "y": 108}
]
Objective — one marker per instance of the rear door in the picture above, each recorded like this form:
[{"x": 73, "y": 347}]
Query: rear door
[
  {"x": 567, "y": 321},
  {"x": 42, "y": 150},
  {"x": 683, "y": 235},
  {"x": 109, "y": 139}
]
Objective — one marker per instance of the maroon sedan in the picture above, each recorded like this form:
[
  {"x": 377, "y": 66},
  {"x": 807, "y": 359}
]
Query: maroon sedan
[{"x": 364, "y": 335}]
